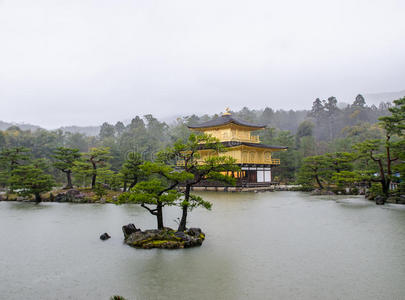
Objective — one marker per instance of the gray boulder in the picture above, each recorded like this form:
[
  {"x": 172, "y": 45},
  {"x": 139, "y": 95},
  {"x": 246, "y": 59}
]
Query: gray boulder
[
  {"x": 129, "y": 229},
  {"x": 71, "y": 196},
  {"x": 105, "y": 236},
  {"x": 379, "y": 200}
]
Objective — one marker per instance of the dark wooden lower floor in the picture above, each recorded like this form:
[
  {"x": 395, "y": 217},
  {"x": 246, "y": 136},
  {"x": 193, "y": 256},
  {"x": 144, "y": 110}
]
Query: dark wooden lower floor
[{"x": 248, "y": 176}]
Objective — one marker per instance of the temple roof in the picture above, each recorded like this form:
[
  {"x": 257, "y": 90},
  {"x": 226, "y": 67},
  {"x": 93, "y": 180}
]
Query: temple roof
[
  {"x": 230, "y": 144},
  {"x": 256, "y": 145},
  {"x": 227, "y": 119}
]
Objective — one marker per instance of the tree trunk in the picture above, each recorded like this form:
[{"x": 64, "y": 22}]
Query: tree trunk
[
  {"x": 385, "y": 181},
  {"x": 94, "y": 177},
  {"x": 159, "y": 216},
  {"x": 319, "y": 182},
  {"x": 37, "y": 197},
  {"x": 385, "y": 187},
  {"x": 93, "y": 181},
  {"x": 69, "y": 180},
  {"x": 125, "y": 186},
  {"x": 183, "y": 221},
  {"x": 134, "y": 182}
]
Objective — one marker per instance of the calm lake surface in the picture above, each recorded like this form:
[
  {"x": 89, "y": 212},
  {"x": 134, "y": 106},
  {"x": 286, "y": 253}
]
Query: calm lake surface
[{"x": 279, "y": 245}]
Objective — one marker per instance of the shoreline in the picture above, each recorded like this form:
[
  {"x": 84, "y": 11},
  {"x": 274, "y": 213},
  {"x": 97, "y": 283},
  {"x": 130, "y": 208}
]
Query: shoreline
[{"x": 87, "y": 196}]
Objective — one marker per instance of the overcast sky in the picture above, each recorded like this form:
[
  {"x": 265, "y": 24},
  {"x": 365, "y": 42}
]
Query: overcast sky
[{"x": 82, "y": 62}]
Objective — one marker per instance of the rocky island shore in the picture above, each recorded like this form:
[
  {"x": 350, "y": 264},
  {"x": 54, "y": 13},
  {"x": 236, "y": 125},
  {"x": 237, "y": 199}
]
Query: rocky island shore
[{"x": 166, "y": 238}]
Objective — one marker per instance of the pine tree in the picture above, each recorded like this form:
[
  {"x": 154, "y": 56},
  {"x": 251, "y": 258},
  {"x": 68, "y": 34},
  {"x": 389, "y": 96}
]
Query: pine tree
[
  {"x": 31, "y": 179},
  {"x": 158, "y": 191},
  {"x": 210, "y": 168},
  {"x": 94, "y": 163},
  {"x": 131, "y": 170},
  {"x": 65, "y": 159}
]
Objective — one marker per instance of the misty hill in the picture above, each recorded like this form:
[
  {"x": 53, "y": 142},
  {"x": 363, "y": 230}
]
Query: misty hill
[
  {"x": 376, "y": 98},
  {"x": 22, "y": 126},
  {"x": 86, "y": 130}
]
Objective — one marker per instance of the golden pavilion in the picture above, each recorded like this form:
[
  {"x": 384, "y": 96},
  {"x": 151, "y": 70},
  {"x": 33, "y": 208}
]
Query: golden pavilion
[{"x": 254, "y": 158}]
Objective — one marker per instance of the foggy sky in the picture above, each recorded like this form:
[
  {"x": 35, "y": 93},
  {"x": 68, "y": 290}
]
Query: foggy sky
[{"x": 82, "y": 62}]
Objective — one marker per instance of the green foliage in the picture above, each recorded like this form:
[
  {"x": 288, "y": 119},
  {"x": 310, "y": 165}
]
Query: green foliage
[
  {"x": 291, "y": 159},
  {"x": 382, "y": 155},
  {"x": 31, "y": 179},
  {"x": 157, "y": 190},
  {"x": 386, "y": 155},
  {"x": 152, "y": 192},
  {"x": 313, "y": 170},
  {"x": 94, "y": 164},
  {"x": 330, "y": 168},
  {"x": 340, "y": 161},
  {"x": 346, "y": 178},
  {"x": 131, "y": 170},
  {"x": 114, "y": 180},
  {"x": 65, "y": 158},
  {"x": 395, "y": 124},
  {"x": 195, "y": 201},
  {"x": 359, "y": 101},
  {"x": 304, "y": 130},
  {"x": 107, "y": 131},
  {"x": 64, "y": 161},
  {"x": 376, "y": 189},
  {"x": 116, "y": 297},
  {"x": 336, "y": 129},
  {"x": 10, "y": 159},
  {"x": 13, "y": 157},
  {"x": 210, "y": 167},
  {"x": 100, "y": 190}
]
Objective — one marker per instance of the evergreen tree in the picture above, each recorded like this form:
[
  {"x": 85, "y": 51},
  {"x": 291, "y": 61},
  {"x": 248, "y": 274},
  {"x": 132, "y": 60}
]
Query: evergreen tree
[
  {"x": 305, "y": 129},
  {"x": 158, "y": 191},
  {"x": 359, "y": 101},
  {"x": 313, "y": 168},
  {"x": 131, "y": 170},
  {"x": 208, "y": 168},
  {"x": 31, "y": 179},
  {"x": 94, "y": 164},
  {"x": 385, "y": 153},
  {"x": 107, "y": 131},
  {"x": 317, "y": 111},
  {"x": 119, "y": 128},
  {"x": 10, "y": 159},
  {"x": 331, "y": 110},
  {"x": 65, "y": 159}
]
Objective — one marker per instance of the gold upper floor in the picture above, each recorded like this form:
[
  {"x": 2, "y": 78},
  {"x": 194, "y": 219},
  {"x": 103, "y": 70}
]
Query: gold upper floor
[
  {"x": 231, "y": 133},
  {"x": 242, "y": 155}
]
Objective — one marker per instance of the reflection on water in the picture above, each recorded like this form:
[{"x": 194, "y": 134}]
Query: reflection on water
[
  {"x": 27, "y": 206},
  {"x": 280, "y": 245}
]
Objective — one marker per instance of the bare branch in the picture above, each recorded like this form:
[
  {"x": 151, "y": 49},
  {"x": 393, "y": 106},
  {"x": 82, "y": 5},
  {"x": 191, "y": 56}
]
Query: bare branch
[{"x": 152, "y": 211}]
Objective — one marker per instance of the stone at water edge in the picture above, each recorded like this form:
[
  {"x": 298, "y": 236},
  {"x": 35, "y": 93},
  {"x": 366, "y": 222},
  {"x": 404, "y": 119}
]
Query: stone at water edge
[
  {"x": 104, "y": 236},
  {"x": 129, "y": 229},
  {"x": 71, "y": 195},
  {"x": 379, "y": 200},
  {"x": 318, "y": 192}
]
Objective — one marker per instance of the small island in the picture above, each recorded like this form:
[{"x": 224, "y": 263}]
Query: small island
[{"x": 165, "y": 238}]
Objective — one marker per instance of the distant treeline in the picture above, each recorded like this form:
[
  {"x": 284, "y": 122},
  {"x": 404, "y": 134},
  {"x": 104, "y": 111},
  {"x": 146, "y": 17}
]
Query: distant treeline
[{"x": 325, "y": 128}]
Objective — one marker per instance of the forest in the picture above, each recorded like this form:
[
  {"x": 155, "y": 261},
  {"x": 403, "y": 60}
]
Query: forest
[{"x": 329, "y": 147}]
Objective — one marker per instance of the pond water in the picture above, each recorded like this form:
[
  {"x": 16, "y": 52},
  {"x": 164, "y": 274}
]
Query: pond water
[{"x": 274, "y": 245}]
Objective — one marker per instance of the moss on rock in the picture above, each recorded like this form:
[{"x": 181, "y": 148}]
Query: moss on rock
[{"x": 166, "y": 238}]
